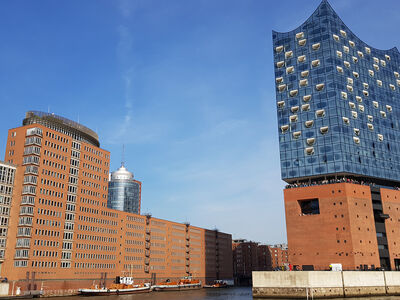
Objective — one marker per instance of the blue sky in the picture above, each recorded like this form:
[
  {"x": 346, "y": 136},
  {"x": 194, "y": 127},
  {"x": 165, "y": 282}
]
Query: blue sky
[{"x": 186, "y": 85}]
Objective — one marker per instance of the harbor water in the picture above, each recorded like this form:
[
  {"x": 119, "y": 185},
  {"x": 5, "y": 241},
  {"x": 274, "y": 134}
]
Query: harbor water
[{"x": 236, "y": 293}]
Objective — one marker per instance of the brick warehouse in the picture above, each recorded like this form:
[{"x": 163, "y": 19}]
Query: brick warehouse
[
  {"x": 338, "y": 107},
  {"x": 61, "y": 235}
]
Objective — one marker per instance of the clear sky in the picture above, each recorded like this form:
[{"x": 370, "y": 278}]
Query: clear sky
[{"x": 186, "y": 85}]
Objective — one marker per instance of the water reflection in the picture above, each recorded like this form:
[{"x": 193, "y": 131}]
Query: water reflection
[{"x": 237, "y": 293}]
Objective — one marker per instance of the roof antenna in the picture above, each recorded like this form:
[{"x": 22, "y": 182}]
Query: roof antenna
[{"x": 123, "y": 155}]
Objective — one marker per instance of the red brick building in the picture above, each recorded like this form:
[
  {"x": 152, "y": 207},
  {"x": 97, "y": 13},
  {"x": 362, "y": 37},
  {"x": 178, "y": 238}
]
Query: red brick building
[
  {"x": 61, "y": 230},
  {"x": 279, "y": 257},
  {"x": 251, "y": 256},
  {"x": 348, "y": 223}
]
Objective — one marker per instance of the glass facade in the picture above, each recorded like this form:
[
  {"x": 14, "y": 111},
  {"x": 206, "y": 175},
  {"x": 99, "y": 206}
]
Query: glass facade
[
  {"x": 338, "y": 102},
  {"x": 124, "y": 195}
]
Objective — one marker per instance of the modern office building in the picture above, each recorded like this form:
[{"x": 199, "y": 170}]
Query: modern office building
[
  {"x": 338, "y": 104},
  {"x": 62, "y": 236},
  {"x": 124, "y": 192}
]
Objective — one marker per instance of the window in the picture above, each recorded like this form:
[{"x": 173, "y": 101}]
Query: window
[
  {"x": 316, "y": 46},
  {"x": 309, "y": 123},
  {"x": 281, "y": 104},
  {"x": 320, "y": 87},
  {"x": 309, "y": 150},
  {"x": 315, "y": 63},
  {"x": 299, "y": 35},
  {"x": 302, "y": 42},
  {"x": 311, "y": 141},
  {"x": 288, "y": 54},
  {"x": 279, "y": 49},
  {"x": 304, "y": 73},
  {"x": 320, "y": 113},
  {"x": 305, "y": 107},
  {"x": 324, "y": 130},
  {"x": 303, "y": 82},
  {"x": 309, "y": 206},
  {"x": 284, "y": 128},
  {"x": 301, "y": 58},
  {"x": 296, "y": 134},
  {"x": 336, "y": 37}
]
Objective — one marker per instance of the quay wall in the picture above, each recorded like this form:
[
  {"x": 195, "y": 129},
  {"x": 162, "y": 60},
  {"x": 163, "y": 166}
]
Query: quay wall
[{"x": 325, "y": 284}]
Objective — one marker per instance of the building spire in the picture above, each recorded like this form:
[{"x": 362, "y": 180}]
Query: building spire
[{"x": 123, "y": 155}]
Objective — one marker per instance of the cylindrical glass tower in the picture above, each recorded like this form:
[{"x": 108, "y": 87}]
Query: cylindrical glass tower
[{"x": 123, "y": 191}]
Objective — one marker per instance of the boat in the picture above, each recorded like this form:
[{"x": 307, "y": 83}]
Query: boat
[
  {"x": 218, "y": 284},
  {"x": 121, "y": 286},
  {"x": 186, "y": 283}
]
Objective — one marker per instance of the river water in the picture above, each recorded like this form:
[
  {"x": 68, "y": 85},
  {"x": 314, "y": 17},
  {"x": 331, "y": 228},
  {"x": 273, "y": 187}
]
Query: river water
[{"x": 236, "y": 293}]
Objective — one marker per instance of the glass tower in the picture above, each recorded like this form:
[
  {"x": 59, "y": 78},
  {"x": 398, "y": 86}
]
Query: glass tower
[
  {"x": 124, "y": 193},
  {"x": 338, "y": 102}
]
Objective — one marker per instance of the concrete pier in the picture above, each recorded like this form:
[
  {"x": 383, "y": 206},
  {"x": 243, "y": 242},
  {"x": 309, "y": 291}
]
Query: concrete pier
[{"x": 325, "y": 284}]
